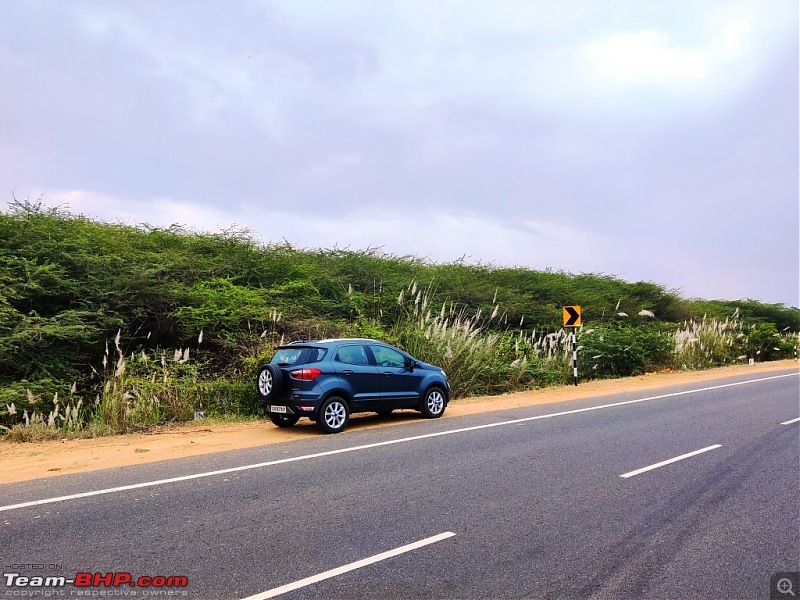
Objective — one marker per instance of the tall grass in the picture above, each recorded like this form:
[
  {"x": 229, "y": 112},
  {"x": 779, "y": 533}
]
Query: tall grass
[
  {"x": 713, "y": 342},
  {"x": 133, "y": 392},
  {"x": 477, "y": 358},
  {"x": 62, "y": 418},
  {"x": 710, "y": 342}
]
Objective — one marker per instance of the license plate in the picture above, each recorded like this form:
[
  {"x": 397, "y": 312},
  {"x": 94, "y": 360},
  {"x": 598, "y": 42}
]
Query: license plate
[{"x": 277, "y": 409}]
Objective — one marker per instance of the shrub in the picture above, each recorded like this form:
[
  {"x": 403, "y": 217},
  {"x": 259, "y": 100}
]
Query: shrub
[
  {"x": 763, "y": 342},
  {"x": 620, "y": 350}
]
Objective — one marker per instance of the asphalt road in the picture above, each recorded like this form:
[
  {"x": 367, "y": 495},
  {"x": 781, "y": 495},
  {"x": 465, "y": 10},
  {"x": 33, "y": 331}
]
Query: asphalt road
[{"x": 528, "y": 505}]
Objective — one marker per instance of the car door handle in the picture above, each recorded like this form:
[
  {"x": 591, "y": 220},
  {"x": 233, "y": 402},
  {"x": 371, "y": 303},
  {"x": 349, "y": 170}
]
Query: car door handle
[
  {"x": 387, "y": 373},
  {"x": 347, "y": 372}
]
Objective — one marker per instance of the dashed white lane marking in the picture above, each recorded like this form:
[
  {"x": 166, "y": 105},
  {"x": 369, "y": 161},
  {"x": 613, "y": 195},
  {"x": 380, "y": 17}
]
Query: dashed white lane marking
[
  {"x": 350, "y": 567},
  {"x": 670, "y": 461}
]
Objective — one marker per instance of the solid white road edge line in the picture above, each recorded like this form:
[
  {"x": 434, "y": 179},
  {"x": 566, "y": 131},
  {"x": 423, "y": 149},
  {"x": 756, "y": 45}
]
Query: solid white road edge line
[
  {"x": 351, "y": 567},
  {"x": 145, "y": 484},
  {"x": 670, "y": 461},
  {"x": 790, "y": 422}
]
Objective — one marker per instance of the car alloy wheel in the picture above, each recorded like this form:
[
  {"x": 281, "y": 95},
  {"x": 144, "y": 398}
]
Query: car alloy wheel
[
  {"x": 270, "y": 382},
  {"x": 333, "y": 415},
  {"x": 433, "y": 406},
  {"x": 265, "y": 381}
]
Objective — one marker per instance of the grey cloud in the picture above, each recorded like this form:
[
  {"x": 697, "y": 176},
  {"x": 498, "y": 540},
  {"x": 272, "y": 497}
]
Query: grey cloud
[{"x": 496, "y": 113}]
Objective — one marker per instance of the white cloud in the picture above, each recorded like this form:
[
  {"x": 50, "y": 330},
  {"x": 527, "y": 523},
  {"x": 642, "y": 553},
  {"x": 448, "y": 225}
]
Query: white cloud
[
  {"x": 736, "y": 36},
  {"x": 532, "y": 57},
  {"x": 158, "y": 212},
  {"x": 444, "y": 236},
  {"x": 434, "y": 234},
  {"x": 509, "y": 56},
  {"x": 644, "y": 58}
]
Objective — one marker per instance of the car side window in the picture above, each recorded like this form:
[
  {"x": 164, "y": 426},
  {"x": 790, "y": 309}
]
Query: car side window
[
  {"x": 316, "y": 354},
  {"x": 388, "y": 357},
  {"x": 352, "y": 355}
]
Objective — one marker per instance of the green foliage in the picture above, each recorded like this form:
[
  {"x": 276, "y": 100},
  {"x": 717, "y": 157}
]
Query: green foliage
[
  {"x": 71, "y": 284},
  {"x": 220, "y": 307},
  {"x": 765, "y": 343},
  {"x": 619, "y": 350},
  {"x": 751, "y": 312}
]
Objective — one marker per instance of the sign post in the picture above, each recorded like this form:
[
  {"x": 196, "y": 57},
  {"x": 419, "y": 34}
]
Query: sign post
[{"x": 572, "y": 318}]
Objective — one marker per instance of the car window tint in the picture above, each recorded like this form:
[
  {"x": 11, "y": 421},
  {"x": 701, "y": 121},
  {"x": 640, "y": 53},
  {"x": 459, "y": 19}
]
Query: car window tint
[
  {"x": 352, "y": 355},
  {"x": 387, "y": 357},
  {"x": 287, "y": 356}
]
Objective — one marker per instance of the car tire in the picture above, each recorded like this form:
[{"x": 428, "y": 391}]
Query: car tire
[
  {"x": 333, "y": 415},
  {"x": 434, "y": 403},
  {"x": 270, "y": 382},
  {"x": 283, "y": 420}
]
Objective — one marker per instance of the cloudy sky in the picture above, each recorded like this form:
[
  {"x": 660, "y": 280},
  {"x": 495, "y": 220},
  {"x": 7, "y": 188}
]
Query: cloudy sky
[{"x": 651, "y": 140}]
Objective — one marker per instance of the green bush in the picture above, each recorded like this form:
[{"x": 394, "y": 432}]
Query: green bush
[
  {"x": 620, "y": 350},
  {"x": 219, "y": 307},
  {"x": 765, "y": 343}
]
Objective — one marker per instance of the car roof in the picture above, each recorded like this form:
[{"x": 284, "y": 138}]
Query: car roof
[{"x": 331, "y": 341}]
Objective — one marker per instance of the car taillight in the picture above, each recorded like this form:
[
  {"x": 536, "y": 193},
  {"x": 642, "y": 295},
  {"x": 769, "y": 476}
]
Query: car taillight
[{"x": 305, "y": 374}]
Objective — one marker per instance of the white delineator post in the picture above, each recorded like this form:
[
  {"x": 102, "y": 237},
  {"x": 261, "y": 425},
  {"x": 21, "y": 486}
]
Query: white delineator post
[
  {"x": 572, "y": 318},
  {"x": 574, "y": 356}
]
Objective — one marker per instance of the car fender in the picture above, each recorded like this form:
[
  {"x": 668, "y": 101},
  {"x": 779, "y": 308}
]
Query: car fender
[
  {"x": 335, "y": 391},
  {"x": 433, "y": 382}
]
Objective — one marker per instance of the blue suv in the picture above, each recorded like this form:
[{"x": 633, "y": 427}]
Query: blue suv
[{"x": 327, "y": 380}]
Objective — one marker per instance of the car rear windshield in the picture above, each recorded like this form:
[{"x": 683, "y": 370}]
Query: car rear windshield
[{"x": 298, "y": 355}]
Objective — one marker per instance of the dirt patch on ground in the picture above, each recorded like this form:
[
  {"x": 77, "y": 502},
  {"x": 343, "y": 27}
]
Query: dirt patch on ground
[{"x": 34, "y": 460}]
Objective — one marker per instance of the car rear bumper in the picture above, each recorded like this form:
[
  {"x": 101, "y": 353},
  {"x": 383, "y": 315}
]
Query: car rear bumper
[{"x": 302, "y": 407}]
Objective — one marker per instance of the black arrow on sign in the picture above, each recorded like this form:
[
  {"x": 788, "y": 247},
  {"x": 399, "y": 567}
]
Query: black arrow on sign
[{"x": 574, "y": 316}]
